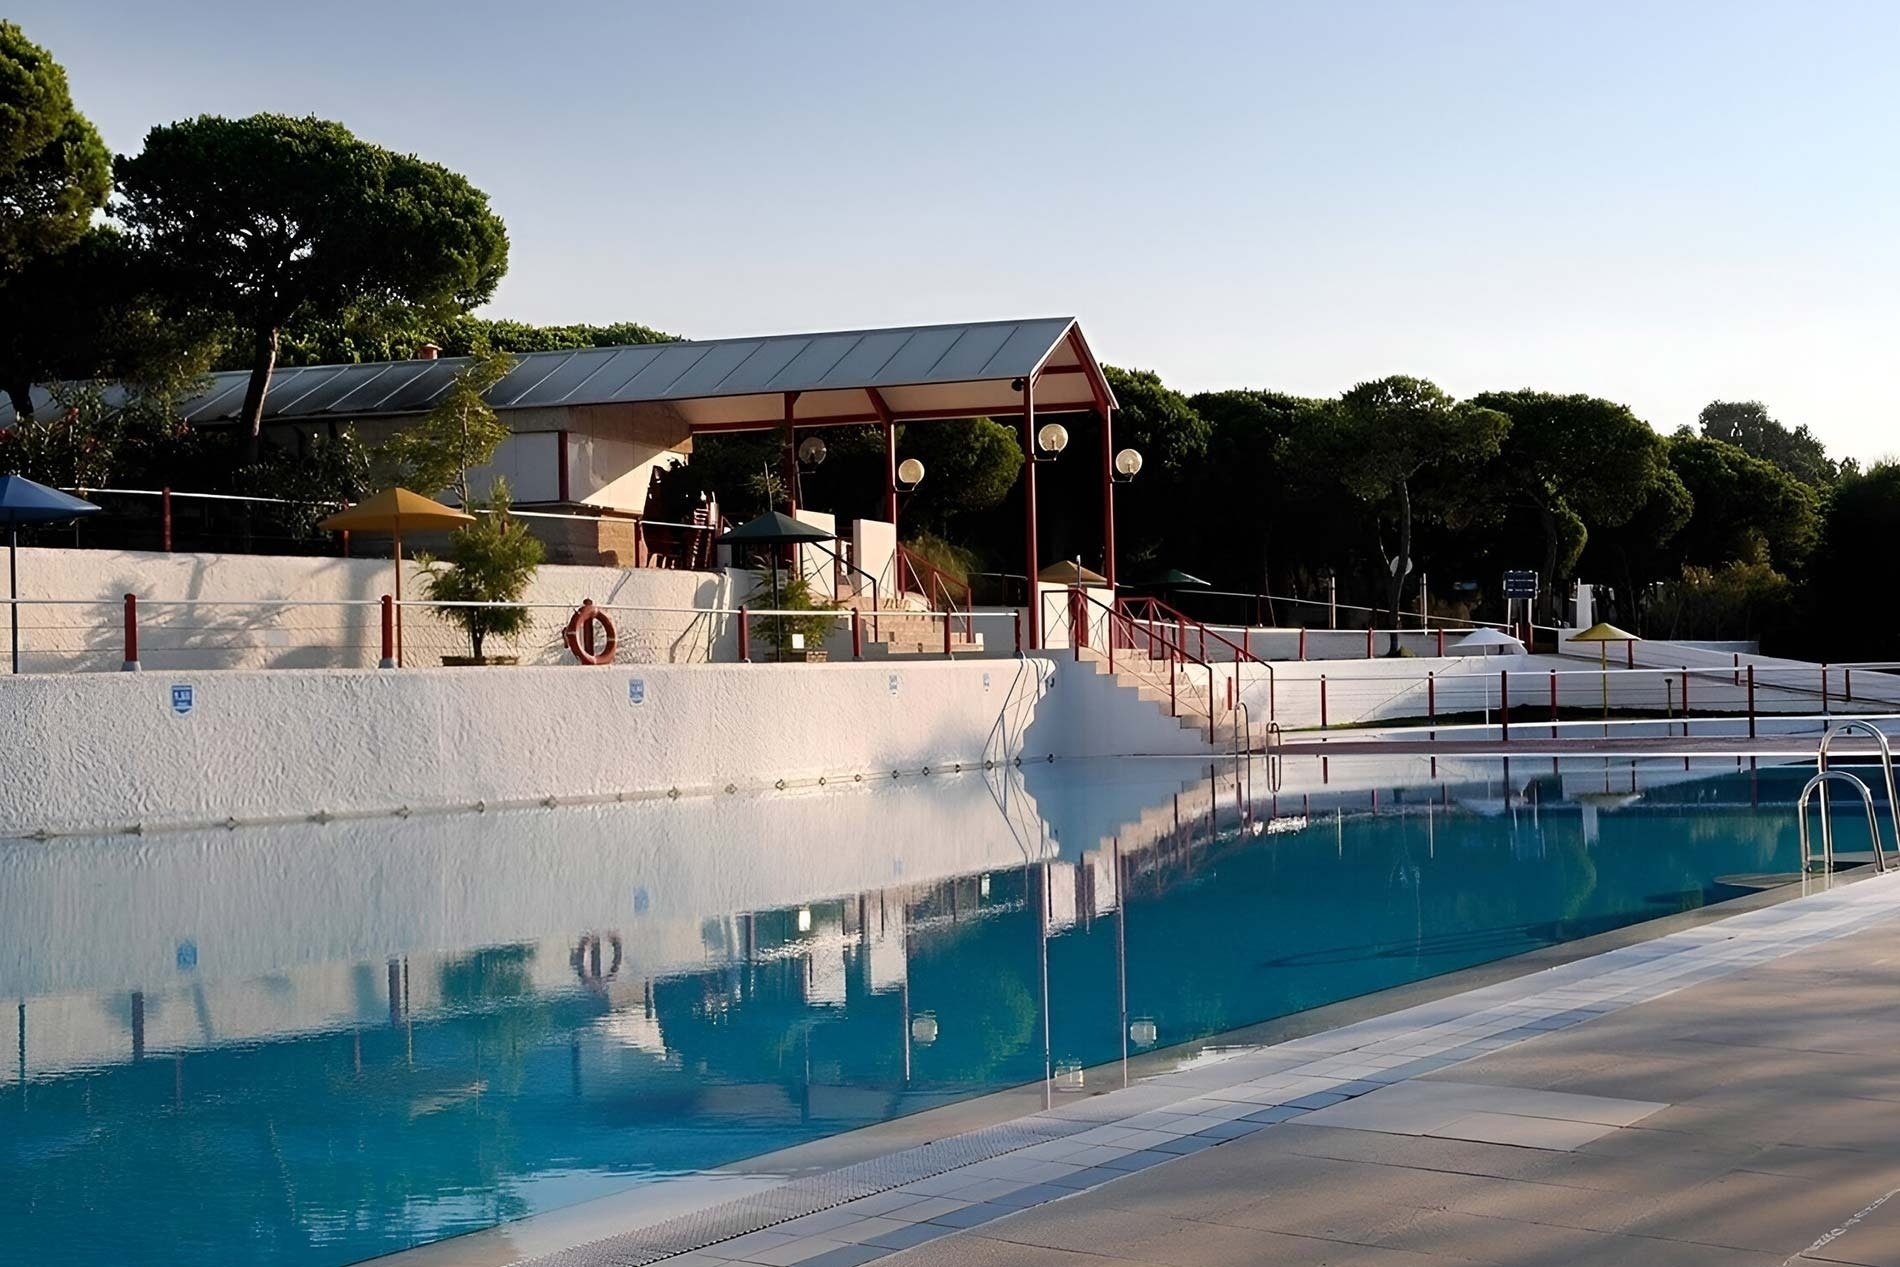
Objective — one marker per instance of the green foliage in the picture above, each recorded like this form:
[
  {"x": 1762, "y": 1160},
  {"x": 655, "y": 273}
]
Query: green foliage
[
  {"x": 490, "y": 561},
  {"x": 1745, "y": 508},
  {"x": 54, "y": 169},
  {"x": 1855, "y": 576},
  {"x": 461, "y": 431},
  {"x": 794, "y": 594},
  {"x": 1748, "y": 426},
  {"x": 1579, "y": 462},
  {"x": 969, "y": 467},
  {"x": 311, "y": 482},
  {"x": 76, "y": 448},
  {"x": 947, "y": 557},
  {"x": 1737, "y": 600},
  {"x": 394, "y": 333},
  {"x": 268, "y": 218}
]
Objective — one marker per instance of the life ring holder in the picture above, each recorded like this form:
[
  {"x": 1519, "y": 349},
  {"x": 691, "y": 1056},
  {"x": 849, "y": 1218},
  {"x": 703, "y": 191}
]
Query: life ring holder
[
  {"x": 580, "y": 631},
  {"x": 586, "y": 959}
]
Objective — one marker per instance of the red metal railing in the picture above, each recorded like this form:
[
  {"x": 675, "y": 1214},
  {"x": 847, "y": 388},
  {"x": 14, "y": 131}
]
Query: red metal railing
[
  {"x": 939, "y": 590},
  {"x": 1123, "y": 631}
]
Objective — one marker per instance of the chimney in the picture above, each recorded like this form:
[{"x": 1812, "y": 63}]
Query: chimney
[{"x": 428, "y": 351}]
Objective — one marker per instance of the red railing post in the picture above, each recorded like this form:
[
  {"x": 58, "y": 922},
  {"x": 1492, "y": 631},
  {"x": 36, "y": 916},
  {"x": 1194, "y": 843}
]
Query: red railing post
[
  {"x": 1751, "y": 701},
  {"x": 1017, "y": 613},
  {"x": 1629, "y": 653},
  {"x": 165, "y": 518},
  {"x": 1504, "y": 705},
  {"x": 131, "y": 664},
  {"x": 1685, "y": 700},
  {"x": 389, "y": 634},
  {"x": 857, "y": 634},
  {"x": 1302, "y": 642},
  {"x": 1847, "y": 685},
  {"x": 1441, "y": 642},
  {"x": 1431, "y": 702},
  {"x": 1824, "y": 694},
  {"x": 1553, "y": 703},
  {"x": 1210, "y": 699},
  {"x": 1322, "y": 701},
  {"x": 946, "y": 633},
  {"x": 1174, "y": 702},
  {"x": 1368, "y": 642},
  {"x": 745, "y": 637}
]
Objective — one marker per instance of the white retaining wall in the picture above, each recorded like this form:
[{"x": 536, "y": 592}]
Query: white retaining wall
[
  {"x": 110, "y": 751},
  {"x": 257, "y": 630}
]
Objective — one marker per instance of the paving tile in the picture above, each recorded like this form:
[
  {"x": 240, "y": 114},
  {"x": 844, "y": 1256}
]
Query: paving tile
[
  {"x": 906, "y": 1237},
  {"x": 1137, "y": 1161},
  {"x": 1229, "y": 1130},
  {"x": 847, "y": 1256},
  {"x": 797, "y": 1250},
  {"x": 867, "y": 1229},
  {"x": 971, "y": 1215},
  {"x": 927, "y": 1209},
  {"x": 1035, "y": 1194}
]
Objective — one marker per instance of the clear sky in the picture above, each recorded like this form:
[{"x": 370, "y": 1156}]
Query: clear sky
[{"x": 1663, "y": 203}]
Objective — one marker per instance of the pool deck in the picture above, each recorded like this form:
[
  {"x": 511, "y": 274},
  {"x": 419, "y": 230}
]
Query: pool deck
[{"x": 1724, "y": 1093}]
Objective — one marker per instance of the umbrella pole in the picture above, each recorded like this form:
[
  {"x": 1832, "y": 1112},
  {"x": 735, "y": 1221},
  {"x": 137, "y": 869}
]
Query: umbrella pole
[
  {"x": 398, "y": 537},
  {"x": 13, "y": 589}
]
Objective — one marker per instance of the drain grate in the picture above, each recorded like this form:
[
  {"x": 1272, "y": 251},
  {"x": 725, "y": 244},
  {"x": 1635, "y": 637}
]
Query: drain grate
[{"x": 809, "y": 1195}]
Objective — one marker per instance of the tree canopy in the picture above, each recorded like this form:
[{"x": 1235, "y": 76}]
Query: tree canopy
[
  {"x": 269, "y": 218},
  {"x": 54, "y": 169},
  {"x": 1748, "y": 426}
]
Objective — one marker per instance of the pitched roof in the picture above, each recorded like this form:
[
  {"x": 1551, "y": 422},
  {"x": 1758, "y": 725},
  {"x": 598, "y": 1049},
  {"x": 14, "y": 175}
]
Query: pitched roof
[{"x": 943, "y": 371}]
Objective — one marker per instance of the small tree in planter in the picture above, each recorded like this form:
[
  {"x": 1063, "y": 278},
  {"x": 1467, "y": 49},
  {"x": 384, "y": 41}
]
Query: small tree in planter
[
  {"x": 492, "y": 560},
  {"x": 794, "y": 595}
]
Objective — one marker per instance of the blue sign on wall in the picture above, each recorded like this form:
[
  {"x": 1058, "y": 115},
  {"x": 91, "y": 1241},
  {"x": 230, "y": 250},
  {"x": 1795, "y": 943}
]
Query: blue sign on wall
[
  {"x": 183, "y": 697},
  {"x": 637, "y": 691}
]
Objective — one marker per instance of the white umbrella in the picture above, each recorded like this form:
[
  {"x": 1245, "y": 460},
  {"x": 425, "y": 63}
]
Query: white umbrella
[{"x": 1483, "y": 641}]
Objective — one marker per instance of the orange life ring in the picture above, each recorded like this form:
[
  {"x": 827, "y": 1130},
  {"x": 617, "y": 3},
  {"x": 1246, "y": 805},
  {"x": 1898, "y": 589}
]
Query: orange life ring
[{"x": 579, "y": 634}]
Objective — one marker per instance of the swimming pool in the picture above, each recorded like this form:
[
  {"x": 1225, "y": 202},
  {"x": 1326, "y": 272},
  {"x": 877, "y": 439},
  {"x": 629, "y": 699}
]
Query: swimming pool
[{"x": 317, "y": 1044}]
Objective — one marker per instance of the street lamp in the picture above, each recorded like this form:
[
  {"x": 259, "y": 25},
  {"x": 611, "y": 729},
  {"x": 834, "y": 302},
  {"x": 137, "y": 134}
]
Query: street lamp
[
  {"x": 1127, "y": 465},
  {"x": 910, "y": 473},
  {"x": 1051, "y": 439},
  {"x": 813, "y": 451}
]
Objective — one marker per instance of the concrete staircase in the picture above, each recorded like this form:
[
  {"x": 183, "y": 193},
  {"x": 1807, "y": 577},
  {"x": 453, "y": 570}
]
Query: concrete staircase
[
  {"x": 1147, "y": 676},
  {"x": 904, "y": 632}
]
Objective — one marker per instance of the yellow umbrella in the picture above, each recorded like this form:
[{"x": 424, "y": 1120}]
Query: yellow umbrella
[
  {"x": 396, "y": 511},
  {"x": 1603, "y": 634}
]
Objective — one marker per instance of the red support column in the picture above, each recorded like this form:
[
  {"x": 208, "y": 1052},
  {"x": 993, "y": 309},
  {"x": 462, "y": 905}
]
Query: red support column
[
  {"x": 1751, "y": 701},
  {"x": 131, "y": 664},
  {"x": 791, "y": 456},
  {"x": 1108, "y": 496},
  {"x": 1029, "y": 511},
  {"x": 889, "y": 428},
  {"x": 1504, "y": 705}
]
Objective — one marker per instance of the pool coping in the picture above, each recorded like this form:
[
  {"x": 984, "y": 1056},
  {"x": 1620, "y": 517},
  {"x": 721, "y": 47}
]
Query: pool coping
[{"x": 803, "y": 1183}]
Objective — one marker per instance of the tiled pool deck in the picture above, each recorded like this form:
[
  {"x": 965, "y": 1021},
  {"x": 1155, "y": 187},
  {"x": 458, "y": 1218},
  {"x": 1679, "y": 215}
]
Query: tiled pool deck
[{"x": 1726, "y": 1093}]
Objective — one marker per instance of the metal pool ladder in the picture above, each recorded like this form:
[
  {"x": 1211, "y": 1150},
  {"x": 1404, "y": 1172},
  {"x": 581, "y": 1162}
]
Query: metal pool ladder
[{"x": 1823, "y": 776}]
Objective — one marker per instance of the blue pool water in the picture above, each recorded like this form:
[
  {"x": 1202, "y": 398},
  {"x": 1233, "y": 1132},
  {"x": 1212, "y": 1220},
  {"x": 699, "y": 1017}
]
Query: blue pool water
[{"x": 316, "y": 1045}]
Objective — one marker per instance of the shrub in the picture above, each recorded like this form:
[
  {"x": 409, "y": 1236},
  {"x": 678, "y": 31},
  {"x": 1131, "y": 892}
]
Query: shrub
[{"x": 493, "y": 560}]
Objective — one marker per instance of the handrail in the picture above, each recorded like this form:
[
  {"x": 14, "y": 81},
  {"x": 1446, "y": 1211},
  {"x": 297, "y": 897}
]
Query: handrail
[
  {"x": 1886, "y": 768},
  {"x": 1080, "y": 600},
  {"x": 837, "y": 561},
  {"x": 1820, "y": 781},
  {"x": 939, "y": 588},
  {"x": 1242, "y": 654}
]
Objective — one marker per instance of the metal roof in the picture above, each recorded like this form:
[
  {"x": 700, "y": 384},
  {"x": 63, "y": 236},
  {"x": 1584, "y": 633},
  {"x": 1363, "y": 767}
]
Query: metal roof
[{"x": 943, "y": 371}]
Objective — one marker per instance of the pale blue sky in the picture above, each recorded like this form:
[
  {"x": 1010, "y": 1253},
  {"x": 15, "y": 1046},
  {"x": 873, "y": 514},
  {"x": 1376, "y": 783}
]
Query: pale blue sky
[{"x": 1662, "y": 203}]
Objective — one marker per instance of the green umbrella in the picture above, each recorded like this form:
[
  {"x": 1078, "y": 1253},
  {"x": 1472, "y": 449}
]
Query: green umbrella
[{"x": 775, "y": 529}]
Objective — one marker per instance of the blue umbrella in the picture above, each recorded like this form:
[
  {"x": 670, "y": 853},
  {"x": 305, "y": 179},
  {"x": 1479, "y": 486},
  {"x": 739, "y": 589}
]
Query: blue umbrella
[{"x": 24, "y": 502}]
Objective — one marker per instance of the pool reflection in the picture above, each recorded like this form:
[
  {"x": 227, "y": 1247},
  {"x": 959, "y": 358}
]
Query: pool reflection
[{"x": 323, "y": 1042}]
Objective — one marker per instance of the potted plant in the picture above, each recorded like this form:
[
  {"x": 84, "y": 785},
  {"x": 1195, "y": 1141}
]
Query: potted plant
[
  {"x": 489, "y": 561},
  {"x": 803, "y": 636}
]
